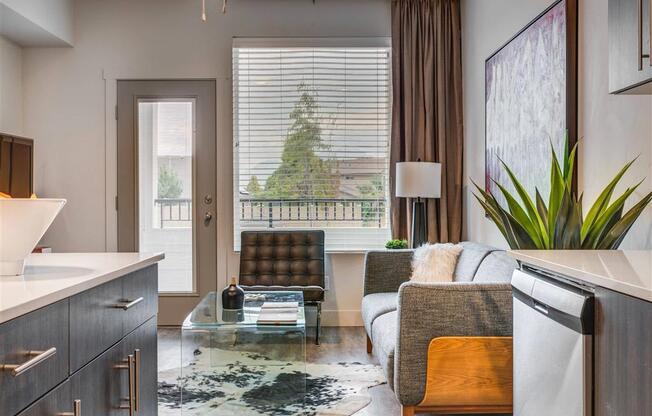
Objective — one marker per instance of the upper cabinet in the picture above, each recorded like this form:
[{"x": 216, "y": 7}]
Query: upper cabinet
[
  {"x": 16, "y": 166},
  {"x": 630, "y": 67}
]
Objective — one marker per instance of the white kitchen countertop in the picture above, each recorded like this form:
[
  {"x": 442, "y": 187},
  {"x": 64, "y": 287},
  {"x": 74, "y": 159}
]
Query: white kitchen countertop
[
  {"x": 55, "y": 276},
  {"x": 624, "y": 271}
]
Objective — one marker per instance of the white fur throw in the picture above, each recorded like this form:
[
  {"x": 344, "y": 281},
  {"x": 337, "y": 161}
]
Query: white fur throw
[{"x": 435, "y": 262}]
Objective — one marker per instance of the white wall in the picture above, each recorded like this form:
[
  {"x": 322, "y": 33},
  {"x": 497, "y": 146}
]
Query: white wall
[
  {"x": 614, "y": 128},
  {"x": 11, "y": 87},
  {"x": 69, "y": 96},
  {"x": 39, "y": 22}
]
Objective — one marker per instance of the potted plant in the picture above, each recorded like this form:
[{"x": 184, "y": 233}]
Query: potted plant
[
  {"x": 560, "y": 224},
  {"x": 396, "y": 244}
]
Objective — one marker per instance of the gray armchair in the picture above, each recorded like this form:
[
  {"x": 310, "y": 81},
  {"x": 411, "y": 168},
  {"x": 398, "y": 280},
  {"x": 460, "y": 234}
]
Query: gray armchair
[{"x": 402, "y": 318}]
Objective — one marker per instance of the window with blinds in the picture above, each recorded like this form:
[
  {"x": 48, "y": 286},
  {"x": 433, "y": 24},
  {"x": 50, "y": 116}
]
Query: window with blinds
[{"x": 311, "y": 140}]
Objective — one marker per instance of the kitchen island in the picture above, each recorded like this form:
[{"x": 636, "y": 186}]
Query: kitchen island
[
  {"x": 78, "y": 331},
  {"x": 621, "y": 282}
]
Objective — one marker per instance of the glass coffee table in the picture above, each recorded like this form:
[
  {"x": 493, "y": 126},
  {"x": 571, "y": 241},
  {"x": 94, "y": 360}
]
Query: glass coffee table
[{"x": 231, "y": 364}]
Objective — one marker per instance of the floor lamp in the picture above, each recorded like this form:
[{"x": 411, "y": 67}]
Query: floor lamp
[{"x": 418, "y": 180}]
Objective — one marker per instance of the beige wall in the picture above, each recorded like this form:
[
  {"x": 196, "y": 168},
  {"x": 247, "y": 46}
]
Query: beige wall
[
  {"x": 11, "y": 87},
  {"x": 614, "y": 129},
  {"x": 70, "y": 93}
]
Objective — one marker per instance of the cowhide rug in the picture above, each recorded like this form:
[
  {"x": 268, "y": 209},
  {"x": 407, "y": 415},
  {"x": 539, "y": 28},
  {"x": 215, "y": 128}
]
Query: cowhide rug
[{"x": 253, "y": 384}]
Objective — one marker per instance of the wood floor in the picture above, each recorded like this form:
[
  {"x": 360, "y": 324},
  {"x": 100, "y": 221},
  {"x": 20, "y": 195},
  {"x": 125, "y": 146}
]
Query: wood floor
[{"x": 337, "y": 344}]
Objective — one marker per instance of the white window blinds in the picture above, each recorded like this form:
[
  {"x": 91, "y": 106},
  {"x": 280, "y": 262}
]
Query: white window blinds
[{"x": 311, "y": 140}]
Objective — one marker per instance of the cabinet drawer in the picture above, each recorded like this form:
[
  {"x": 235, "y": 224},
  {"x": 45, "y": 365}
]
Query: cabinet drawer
[
  {"x": 95, "y": 322},
  {"x": 142, "y": 342},
  {"x": 142, "y": 284},
  {"x": 101, "y": 316},
  {"x": 54, "y": 403},
  {"x": 39, "y": 338},
  {"x": 98, "y": 384}
]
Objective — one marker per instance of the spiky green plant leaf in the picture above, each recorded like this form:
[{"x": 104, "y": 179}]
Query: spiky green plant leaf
[
  {"x": 602, "y": 202},
  {"x": 560, "y": 224}
]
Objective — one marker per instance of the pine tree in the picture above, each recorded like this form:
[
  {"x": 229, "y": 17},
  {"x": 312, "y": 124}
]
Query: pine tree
[
  {"x": 253, "y": 187},
  {"x": 169, "y": 184},
  {"x": 302, "y": 173}
]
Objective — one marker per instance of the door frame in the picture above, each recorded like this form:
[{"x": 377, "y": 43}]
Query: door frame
[{"x": 173, "y": 307}]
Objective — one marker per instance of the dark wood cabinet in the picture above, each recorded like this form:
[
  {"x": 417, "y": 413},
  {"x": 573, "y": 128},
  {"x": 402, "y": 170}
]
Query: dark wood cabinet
[
  {"x": 142, "y": 342},
  {"x": 630, "y": 67},
  {"x": 623, "y": 355},
  {"x": 56, "y": 402},
  {"x": 98, "y": 384},
  {"x": 41, "y": 333},
  {"x": 94, "y": 333},
  {"x": 16, "y": 166},
  {"x": 95, "y": 324},
  {"x": 100, "y": 317},
  {"x": 142, "y": 285}
]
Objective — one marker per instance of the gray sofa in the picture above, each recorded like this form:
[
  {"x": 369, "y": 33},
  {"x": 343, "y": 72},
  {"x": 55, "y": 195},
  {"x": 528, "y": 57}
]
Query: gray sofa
[{"x": 402, "y": 317}]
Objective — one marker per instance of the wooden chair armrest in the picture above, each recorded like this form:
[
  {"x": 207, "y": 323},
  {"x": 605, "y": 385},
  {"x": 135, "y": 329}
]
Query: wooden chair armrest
[{"x": 469, "y": 374}]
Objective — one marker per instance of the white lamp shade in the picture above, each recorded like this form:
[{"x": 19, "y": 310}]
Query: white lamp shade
[{"x": 418, "y": 180}]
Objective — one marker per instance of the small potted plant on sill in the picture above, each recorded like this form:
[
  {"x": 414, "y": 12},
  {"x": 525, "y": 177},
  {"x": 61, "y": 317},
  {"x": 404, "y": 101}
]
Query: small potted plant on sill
[
  {"x": 396, "y": 244},
  {"x": 560, "y": 224}
]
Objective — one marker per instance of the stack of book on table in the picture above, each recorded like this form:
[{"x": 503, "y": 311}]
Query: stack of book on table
[{"x": 278, "y": 313}]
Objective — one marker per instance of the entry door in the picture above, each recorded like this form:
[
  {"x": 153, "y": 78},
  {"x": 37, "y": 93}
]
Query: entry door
[{"x": 167, "y": 183}]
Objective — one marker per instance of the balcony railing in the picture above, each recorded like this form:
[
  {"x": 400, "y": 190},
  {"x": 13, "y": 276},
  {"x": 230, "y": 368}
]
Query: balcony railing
[
  {"x": 367, "y": 212},
  {"x": 174, "y": 212},
  {"x": 272, "y": 213}
]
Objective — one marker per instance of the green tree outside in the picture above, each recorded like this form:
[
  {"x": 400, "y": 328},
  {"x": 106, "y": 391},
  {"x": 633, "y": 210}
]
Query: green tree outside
[
  {"x": 253, "y": 187},
  {"x": 169, "y": 184},
  {"x": 373, "y": 189},
  {"x": 302, "y": 173}
]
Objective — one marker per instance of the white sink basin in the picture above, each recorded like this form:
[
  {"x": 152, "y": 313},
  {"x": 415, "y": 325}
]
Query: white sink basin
[{"x": 22, "y": 224}]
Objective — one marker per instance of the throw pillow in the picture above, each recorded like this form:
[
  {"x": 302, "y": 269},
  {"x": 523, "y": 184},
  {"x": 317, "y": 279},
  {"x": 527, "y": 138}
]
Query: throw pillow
[{"x": 435, "y": 262}]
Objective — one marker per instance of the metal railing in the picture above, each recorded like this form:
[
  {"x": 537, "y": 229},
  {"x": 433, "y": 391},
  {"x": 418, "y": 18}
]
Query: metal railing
[
  {"x": 357, "y": 211},
  {"x": 173, "y": 211},
  {"x": 363, "y": 212}
]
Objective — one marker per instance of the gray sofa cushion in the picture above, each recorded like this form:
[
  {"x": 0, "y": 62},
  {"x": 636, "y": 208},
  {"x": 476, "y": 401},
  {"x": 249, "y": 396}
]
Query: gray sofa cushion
[
  {"x": 377, "y": 304},
  {"x": 384, "y": 340},
  {"x": 496, "y": 267},
  {"x": 470, "y": 259}
]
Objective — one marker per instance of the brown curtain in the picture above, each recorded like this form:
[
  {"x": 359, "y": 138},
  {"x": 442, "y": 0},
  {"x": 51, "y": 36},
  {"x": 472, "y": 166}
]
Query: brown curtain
[{"x": 427, "y": 109}]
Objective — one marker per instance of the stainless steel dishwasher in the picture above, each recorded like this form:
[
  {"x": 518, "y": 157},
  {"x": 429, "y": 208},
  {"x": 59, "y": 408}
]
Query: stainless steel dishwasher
[{"x": 553, "y": 343}]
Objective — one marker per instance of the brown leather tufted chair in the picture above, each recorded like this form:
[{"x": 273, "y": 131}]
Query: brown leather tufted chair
[{"x": 285, "y": 260}]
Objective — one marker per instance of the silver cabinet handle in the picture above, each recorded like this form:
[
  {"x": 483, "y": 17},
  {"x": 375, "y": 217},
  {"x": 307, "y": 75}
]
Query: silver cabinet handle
[
  {"x": 137, "y": 362},
  {"x": 76, "y": 409},
  {"x": 39, "y": 357},
  {"x": 639, "y": 16},
  {"x": 129, "y": 364},
  {"x": 128, "y": 304}
]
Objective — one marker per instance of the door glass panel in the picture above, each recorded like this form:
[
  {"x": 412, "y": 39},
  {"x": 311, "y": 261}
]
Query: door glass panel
[{"x": 166, "y": 137}]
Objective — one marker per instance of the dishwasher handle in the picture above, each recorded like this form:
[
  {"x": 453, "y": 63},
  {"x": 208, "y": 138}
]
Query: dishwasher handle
[
  {"x": 541, "y": 307},
  {"x": 568, "y": 306}
]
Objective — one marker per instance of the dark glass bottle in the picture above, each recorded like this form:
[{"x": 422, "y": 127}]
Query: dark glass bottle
[{"x": 233, "y": 296}]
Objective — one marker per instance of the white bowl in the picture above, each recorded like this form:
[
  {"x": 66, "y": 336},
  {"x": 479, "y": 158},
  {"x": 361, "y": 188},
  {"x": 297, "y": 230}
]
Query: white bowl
[{"x": 22, "y": 224}]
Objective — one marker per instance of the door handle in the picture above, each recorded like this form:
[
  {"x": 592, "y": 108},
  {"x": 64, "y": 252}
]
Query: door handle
[
  {"x": 76, "y": 409},
  {"x": 639, "y": 19},
  {"x": 128, "y": 304},
  {"x": 137, "y": 362},
  {"x": 39, "y": 357},
  {"x": 208, "y": 217},
  {"x": 129, "y": 365}
]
